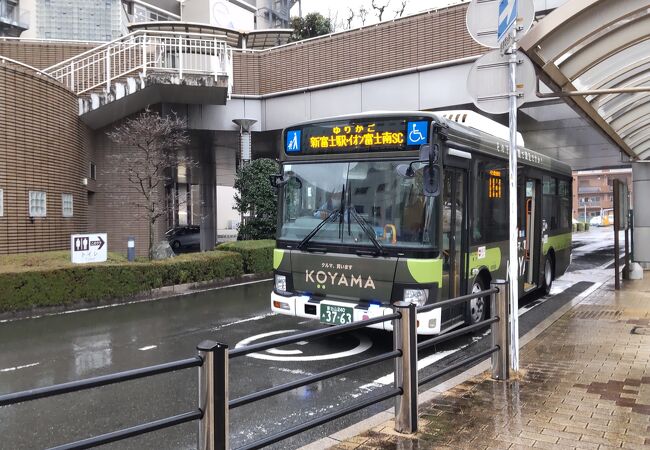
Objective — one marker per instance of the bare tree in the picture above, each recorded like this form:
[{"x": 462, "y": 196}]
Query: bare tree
[
  {"x": 379, "y": 9},
  {"x": 154, "y": 146},
  {"x": 400, "y": 11},
  {"x": 349, "y": 18},
  {"x": 363, "y": 15}
]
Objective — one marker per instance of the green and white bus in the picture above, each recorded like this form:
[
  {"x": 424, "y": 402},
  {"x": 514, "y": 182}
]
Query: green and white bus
[{"x": 382, "y": 207}]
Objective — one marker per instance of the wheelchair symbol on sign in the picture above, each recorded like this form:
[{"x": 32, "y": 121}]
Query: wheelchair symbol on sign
[{"x": 415, "y": 135}]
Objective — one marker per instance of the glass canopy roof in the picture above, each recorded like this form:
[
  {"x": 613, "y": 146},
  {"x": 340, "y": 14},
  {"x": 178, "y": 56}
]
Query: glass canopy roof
[{"x": 600, "y": 44}]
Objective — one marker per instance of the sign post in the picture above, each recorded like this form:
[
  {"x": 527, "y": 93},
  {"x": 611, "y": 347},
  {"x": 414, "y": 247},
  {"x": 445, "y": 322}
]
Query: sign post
[
  {"x": 513, "y": 265},
  {"x": 499, "y": 82}
]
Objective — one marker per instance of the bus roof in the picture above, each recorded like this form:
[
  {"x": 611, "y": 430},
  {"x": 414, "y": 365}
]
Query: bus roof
[{"x": 462, "y": 134}]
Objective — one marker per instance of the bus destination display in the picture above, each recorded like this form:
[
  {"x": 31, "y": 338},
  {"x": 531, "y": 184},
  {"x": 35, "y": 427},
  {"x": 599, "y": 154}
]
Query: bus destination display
[{"x": 357, "y": 136}]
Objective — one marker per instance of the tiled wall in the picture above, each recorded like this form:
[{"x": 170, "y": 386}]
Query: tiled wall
[
  {"x": 418, "y": 40},
  {"x": 43, "y": 147}
]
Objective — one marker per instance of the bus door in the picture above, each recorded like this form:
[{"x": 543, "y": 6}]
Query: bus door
[
  {"x": 454, "y": 218},
  {"x": 530, "y": 234}
]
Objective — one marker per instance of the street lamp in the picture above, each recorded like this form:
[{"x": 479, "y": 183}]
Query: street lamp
[{"x": 245, "y": 126}]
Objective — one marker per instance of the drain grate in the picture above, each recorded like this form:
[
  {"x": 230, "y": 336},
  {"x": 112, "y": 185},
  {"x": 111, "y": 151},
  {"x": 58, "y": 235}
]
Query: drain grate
[{"x": 605, "y": 314}]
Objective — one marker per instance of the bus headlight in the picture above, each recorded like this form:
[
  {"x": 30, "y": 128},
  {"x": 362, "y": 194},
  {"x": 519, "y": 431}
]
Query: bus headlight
[
  {"x": 417, "y": 296},
  {"x": 281, "y": 283}
]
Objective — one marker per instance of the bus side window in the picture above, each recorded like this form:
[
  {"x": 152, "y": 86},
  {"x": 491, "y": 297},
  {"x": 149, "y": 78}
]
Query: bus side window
[{"x": 490, "y": 202}]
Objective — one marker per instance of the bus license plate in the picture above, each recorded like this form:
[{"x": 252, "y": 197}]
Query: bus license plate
[{"x": 335, "y": 315}]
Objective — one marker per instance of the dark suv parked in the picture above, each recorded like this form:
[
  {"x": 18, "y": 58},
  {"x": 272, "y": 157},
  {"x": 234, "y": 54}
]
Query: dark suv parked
[{"x": 184, "y": 237}]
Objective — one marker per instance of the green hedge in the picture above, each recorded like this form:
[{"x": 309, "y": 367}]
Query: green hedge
[
  {"x": 257, "y": 255},
  {"x": 24, "y": 290}
]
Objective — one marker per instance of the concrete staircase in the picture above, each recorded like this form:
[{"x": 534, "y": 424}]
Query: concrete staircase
[{"x": 115, "y": 71}]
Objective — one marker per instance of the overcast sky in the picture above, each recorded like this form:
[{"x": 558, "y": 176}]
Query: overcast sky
[{"x": 339, "y": 9}]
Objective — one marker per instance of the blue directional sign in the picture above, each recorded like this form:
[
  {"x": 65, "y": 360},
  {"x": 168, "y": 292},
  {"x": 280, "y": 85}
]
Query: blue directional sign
[
  {"x": 293, "y": 141},
  {"x": 507, "y": 17},
  {"x": 417, "y": 133}
]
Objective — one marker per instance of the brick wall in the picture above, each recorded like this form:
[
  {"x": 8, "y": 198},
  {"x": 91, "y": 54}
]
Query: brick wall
[
  {"x": 418, "y": 40},
  {"x": 43, "y": 147},
  {"x": 41, "y": 54},
  {"x": 115, "y": 199}
]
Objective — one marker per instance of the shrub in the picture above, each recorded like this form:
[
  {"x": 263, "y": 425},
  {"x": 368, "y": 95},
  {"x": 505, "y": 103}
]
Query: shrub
[
  {"x": 581, "y": 226},
  {"x": 64, "y": 286},
  {"x": 257, "y": 255},
  {"x": 256, "y": 198},
  {"x": 586, "y": 226}
]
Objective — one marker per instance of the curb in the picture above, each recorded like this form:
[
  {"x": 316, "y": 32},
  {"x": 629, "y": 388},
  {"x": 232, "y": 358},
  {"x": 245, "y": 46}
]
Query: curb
[{"x": 154, "y": 294}]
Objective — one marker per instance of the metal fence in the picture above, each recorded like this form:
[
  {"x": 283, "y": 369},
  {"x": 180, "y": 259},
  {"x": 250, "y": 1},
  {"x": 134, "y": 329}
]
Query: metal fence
[
  {"x": 213, "y": 361},
  {"x": 137, "y": 53}
]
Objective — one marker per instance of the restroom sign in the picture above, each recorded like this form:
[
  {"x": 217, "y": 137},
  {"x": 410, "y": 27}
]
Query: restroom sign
[{"x": 88, "y": 248}]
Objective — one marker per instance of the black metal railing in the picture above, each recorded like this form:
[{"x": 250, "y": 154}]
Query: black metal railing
[
  {"x": 104, "y": 380},
  {"x": 213, "y": 363}
]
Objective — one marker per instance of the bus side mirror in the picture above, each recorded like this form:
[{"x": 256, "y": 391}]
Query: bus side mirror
[
  {"x": 431, "y": 181},
  {"x": 277, "y": 180}
]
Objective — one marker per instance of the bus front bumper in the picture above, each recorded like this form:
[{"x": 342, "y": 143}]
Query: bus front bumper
[{"x": 428, "y": 323}]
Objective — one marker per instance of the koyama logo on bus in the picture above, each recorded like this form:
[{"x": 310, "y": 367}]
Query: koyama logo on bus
[{"x": 322, "y": 277}]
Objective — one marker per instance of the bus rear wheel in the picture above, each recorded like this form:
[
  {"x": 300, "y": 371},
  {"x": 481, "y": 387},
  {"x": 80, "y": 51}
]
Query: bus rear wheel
[
  {"x": 477, "y": 309},
  {"x": 548, "y": 275}
]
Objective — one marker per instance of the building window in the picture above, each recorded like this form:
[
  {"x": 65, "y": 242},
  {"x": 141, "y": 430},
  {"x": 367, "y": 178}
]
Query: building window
[
  {"x": 2, "y": 202},
  {"x": 93, "y": 171},
  {"x": 66, "y": 205},
  {"x": 37, "y": 204}
]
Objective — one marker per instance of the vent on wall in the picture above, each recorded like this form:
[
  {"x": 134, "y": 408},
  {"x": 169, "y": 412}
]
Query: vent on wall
[{"x": 474, "y": 120}]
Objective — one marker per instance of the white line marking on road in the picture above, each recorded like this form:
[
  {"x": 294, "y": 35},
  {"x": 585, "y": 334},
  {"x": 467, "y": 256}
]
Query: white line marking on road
[
  {"x": 604, "y": 266},
  {"x": 148, "y": 347},
  {"x": 11, "y": 369},
  {"x": 364, "y": 344},
  {"x": 277, "y": 351},
  {"x": 237, "y": 322}
]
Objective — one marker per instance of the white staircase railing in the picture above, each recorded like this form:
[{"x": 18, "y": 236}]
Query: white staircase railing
[{"x": 142, "y": 51}]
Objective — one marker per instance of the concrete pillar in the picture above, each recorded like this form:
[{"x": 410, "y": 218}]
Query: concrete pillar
[
  {"x": 208, "y": 193},
  {"x": 640, "y": 194}
]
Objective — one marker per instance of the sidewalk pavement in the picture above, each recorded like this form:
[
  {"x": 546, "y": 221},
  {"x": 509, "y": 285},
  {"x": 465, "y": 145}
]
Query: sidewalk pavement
[{"x": 584, "y": 383}]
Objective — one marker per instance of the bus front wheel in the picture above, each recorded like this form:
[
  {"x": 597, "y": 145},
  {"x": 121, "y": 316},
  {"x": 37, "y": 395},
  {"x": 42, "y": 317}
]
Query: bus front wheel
[
  {"x": 548, "y": 274},
  {"x": 477, "y": 306}
]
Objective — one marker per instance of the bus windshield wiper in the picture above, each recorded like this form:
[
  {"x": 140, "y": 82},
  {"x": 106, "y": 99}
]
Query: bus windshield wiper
[
  {"x": 332, "y": 216},
  {"x": 365, "y": 226}
]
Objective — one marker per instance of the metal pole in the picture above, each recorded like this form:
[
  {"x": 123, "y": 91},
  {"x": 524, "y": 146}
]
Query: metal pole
[
  {"x": 513, "y": 272},
  {"x": 144, "y": 55},
  {"x": 626, "y": 267},
  {"x": 108, "y": 70},
  {"x": 617, "y": 282},
  {"x": 499, "y": 331},
  {"x": 213, "y": 396},
  {"x": 406, "y": 368},
  {"x": 180, "y": 57}
]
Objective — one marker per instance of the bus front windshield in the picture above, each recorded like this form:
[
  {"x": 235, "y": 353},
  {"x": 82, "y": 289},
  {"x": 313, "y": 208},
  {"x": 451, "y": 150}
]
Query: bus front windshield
[{"x": 357, "y": 203}]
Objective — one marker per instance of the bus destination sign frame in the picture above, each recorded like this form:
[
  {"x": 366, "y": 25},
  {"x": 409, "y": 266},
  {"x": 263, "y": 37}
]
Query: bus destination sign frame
[{"x": 358, "y": 136}]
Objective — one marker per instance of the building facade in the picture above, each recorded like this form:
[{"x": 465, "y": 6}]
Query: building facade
[
  {"x": 211, "y": 81},
  {"x": 592, "y": 191}
]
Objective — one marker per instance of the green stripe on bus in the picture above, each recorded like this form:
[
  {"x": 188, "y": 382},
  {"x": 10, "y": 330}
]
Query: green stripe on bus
[
  {"x": 277, "y": 258},
  {"x": 491, "y": 260},
  {"x": 559, "y": 242},
  {"x": 425, "y": 270}
]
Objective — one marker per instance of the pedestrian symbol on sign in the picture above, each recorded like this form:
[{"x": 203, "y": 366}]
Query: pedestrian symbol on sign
[
  {"x": 81, "y": 244},
  {"x": 293, "y": 141}
]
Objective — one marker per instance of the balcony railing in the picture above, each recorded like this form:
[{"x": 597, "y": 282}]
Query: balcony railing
[{"x": 140, "y": 52}]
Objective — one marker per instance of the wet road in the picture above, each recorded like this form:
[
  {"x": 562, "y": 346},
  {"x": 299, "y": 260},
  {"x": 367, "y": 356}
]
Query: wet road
[{"x": 59, "y": 348}]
